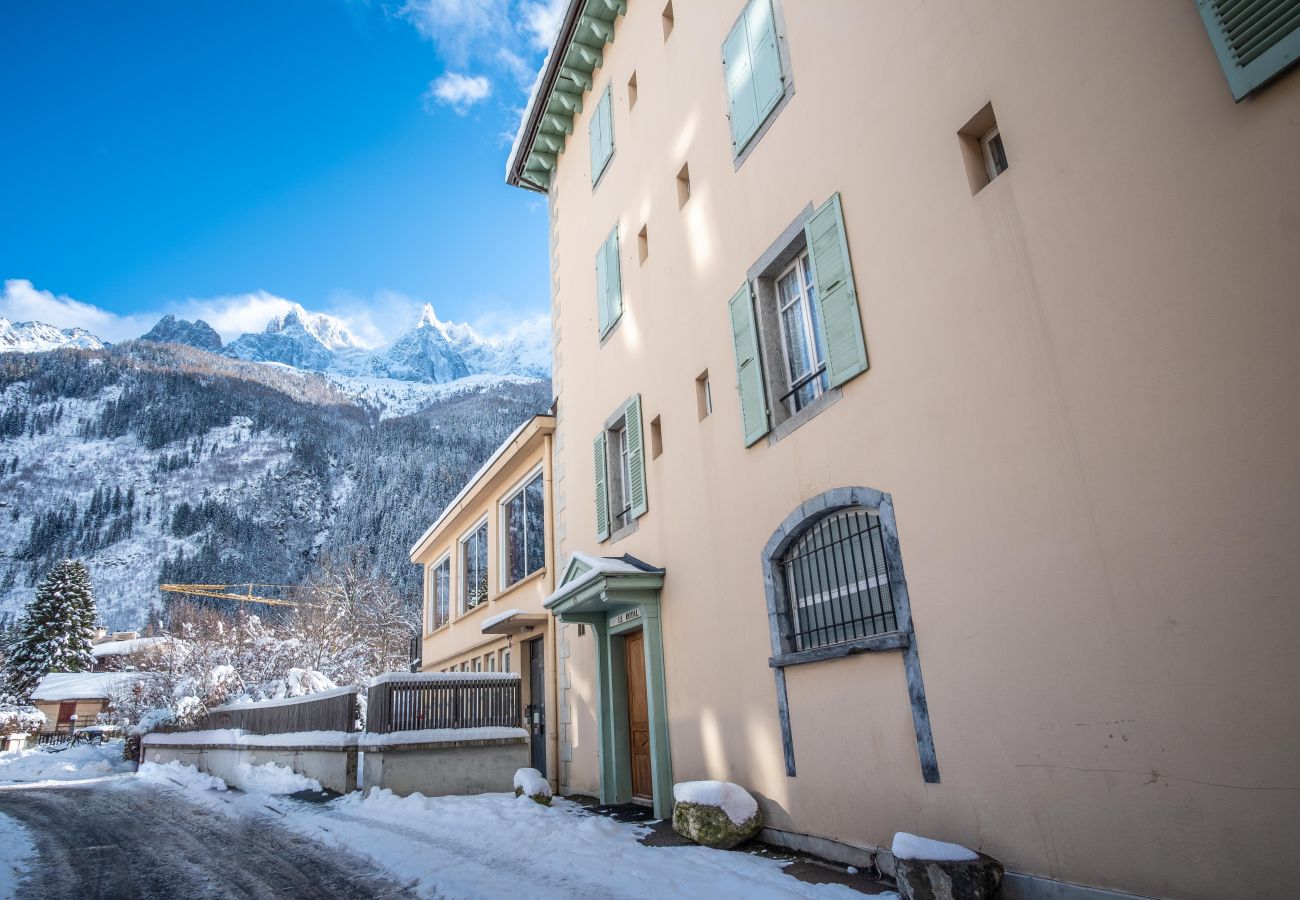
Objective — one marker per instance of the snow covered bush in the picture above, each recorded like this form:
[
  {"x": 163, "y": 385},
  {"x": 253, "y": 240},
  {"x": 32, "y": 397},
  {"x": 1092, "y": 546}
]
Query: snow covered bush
[{"x": 21, "y": 720}]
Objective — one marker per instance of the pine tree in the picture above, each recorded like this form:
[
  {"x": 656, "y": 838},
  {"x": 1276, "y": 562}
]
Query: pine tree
[{"x": 56, "y": 629}]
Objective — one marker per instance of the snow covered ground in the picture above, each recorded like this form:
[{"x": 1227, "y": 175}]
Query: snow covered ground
[
  {"x": 77, "y": 763},
  {"x": 16, "y": 854},
  {"x": 493, "y": 845}
]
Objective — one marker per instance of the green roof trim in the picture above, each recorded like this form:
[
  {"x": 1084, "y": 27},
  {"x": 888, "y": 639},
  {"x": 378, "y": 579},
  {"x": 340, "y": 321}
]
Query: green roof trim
[{"x": 579, "y": 50}]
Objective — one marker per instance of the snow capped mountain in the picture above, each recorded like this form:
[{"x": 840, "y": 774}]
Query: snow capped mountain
[
  {"x": 37, "y": 337},
  {"x": 298, "y": 338},
  {"x": 432, "y": 352},
  {"x": 171, "y": 330}
]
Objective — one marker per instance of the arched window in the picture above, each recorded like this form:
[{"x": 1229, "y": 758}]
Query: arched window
[{"x": 836, "y": 581}]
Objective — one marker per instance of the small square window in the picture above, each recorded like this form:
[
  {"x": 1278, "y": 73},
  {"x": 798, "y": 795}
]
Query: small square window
[
  {"x": 703, "y": 395},
  {"x": 668, "y": 19},
  {"x": 631, "y": 92},
  {"x": 643, "y": 244},
  {"x": 995, "y": 155},
  {"x": 683, "y": 185},
  {"x": 656, "y": 438},
  {"x": 983, "y": 149}
]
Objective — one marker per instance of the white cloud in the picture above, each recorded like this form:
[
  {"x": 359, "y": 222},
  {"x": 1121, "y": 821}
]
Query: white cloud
[
  {"x": 23, "y": 302},
  {"x": 458, "y": 91},
  {"x": 456, "y": 26},
  {"x": 542, "y": 20}
]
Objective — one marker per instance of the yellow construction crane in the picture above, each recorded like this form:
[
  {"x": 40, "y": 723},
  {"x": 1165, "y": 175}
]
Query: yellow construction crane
[{"x": 228, "y": 592}]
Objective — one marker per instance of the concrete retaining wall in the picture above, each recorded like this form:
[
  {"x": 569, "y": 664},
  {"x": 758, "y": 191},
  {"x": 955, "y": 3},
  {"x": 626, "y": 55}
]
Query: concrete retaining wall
[
  {"x": 449, "y": 767},
  {"x": 334, "y": 767}
]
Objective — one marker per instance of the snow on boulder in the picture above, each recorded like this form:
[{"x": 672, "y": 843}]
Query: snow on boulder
[
  {"x": 910, "y": 846},
  {"x": 534, "y": 784},
  {"x": 716, "y": 814},
  {"x": 926, "y": 869}
]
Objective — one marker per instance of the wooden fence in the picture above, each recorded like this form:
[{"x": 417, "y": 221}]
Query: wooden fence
[
  {"x": 334, "y": 710},
  {"x": 418, "y": 701}
]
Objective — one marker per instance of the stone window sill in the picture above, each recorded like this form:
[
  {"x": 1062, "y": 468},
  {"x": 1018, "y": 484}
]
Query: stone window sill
[{"x": 893, "y": 640}]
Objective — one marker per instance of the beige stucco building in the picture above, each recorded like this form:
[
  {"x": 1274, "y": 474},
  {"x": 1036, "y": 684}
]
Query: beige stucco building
[
  {"x": 927, "y": 425},
  {"x": 488, "y": 565}
]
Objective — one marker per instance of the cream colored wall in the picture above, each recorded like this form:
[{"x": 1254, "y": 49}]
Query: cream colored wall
[
  {"x": 87, "y": 712},
  {"x": 462, "y": 639},
  {"x": 1082, "y": 398}
]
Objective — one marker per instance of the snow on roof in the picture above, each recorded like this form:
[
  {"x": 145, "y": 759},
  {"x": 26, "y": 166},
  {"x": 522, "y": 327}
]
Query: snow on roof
[
  {"x": 284, "y": 701},
  {"x": 121, "y": 648},
  {"x": 472, "y": 482},
  {"x": 80, "y": 685},
  {"x": 597, "y": 567},
  {"x": 501, "y": 617}
]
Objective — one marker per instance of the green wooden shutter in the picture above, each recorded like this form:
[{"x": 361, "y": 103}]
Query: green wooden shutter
[
  {"x": 749, "y": 370},
  {"x": 602, "y": 490},
  {"x": 1254, "y": 41},
  {"x": 764, "y": 60},
  {"x": 752, "y": 65},
  {"x": 601, "y": 133},
  {"x": 635, "y": 458},
  {"x": 613, "y": 282},
  {"x": 837, "y": 301},
  {"x": 602, "y": 289},
  {"x": 740, "y": 86}
]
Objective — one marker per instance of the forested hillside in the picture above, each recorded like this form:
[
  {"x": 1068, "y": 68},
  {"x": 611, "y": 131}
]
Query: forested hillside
[{"x": 160, "y": 462}]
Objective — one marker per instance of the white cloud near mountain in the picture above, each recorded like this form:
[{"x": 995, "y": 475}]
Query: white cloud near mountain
[
  {"x": 22, "y": 301},
  {"x": 459, "y": 91}
]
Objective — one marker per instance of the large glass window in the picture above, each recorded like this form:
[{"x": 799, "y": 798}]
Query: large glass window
[
  {"x": 836, "y": 582},
  {"x": 440, "y": 594},
  {"x": 525, "y": 531},
  {"x": 801, "y": 334},
  {"x": 474, "y": 568}
]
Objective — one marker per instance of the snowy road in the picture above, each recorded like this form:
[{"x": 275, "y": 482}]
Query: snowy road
[{"x": 115, "y": 839}]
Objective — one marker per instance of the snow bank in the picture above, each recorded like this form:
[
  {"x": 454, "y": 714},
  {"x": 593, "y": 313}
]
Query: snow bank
[
  {"x": 532, "y": 783},
  {"x": 177, "y": 774},
  {"x": 733, "y": 799},
  {"x": 17, "y": 852},
  {"x": 909, "y": 846},
  {"x": 441, "y": 736},
  {"x": 271, "y": 778},
  {"x": 236, "y": 737},
  {"x": 77, "y": 763}
]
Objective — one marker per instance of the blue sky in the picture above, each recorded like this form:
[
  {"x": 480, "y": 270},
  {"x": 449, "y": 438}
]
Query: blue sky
[{"x": 225, "y": 158}]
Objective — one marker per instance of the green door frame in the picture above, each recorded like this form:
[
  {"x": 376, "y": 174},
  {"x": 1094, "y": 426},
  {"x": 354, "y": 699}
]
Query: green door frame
[{"x": 613, "y": 603}]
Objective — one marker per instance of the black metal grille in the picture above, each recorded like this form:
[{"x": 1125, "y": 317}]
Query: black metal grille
[{"x": 836, "y": 582}]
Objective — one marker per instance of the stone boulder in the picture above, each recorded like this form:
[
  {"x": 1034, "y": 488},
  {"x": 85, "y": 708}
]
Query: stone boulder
[
  {"x": 716, "y": 814},
  {"x": 933, "y": 870}
]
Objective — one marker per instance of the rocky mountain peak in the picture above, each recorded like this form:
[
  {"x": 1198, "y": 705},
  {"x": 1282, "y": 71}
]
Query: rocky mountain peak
[{"x": 171, "y": 330}]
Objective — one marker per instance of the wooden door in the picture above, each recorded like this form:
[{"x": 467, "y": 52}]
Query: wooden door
[
  {"x": 537, "y": 709},
  {"x": 67, "y": 709},
  {"x": 638, "y": 717}
]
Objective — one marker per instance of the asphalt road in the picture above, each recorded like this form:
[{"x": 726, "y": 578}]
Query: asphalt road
[{"x": 107, "y": 840}]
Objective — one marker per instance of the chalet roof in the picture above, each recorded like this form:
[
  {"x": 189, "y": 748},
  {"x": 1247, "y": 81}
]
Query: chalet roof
[{"x": 59, "y": 686}]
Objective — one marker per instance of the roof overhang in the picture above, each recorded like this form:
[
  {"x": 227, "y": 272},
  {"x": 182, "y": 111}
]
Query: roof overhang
[
  {"x": 600, "y": 585},
  {"x": 517, "y": 623},
  {"x": 588, "y": 25}
]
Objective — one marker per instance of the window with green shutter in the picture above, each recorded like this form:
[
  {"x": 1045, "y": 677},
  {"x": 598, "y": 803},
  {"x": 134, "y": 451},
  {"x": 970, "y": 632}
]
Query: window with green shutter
[
  {"x": 609, "y": 284},
  {"x": 795, "y": 325},
  {"x": 601, "y": 132},
  {"x": 751, "y": 63},
  {"x": 619, "y": 462},
  {"x": 1255, "y": 40}
]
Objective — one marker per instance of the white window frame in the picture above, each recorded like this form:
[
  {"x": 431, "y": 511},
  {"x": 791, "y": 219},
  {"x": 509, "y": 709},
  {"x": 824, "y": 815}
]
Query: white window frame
[
  {"x": 621, "y": 463},
  {"x": 505, "y": 659},
  {"x": 986, "y": 147},
  {"x": 816, "y": 373},
  {"x": 503, "y": 557},
  {"x": 462, "y": 583},
  {"x": 431, "y": 591}
]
